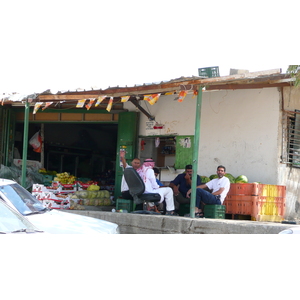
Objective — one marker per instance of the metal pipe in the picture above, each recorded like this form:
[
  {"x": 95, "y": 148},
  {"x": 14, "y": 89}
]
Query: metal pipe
[
  {"x": 42, "y": 151},
  {"x": 136, "y": 103},
  {"x": 195, "y": 152},
  {"x": 25, "y": 144},
  {"x": 7, "y": 141}
]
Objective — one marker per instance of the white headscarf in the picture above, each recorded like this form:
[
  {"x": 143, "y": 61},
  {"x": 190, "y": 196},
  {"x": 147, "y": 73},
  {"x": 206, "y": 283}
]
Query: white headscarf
[{"x": 148, "y": 164}]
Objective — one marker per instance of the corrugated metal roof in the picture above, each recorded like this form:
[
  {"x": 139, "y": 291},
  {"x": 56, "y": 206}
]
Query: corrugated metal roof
[{"x": 268, "y": 78}]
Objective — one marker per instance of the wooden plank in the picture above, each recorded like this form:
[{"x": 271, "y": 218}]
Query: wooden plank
[
  {"x": 98, "y": 117},
  {"x": 46, "y": 116}
]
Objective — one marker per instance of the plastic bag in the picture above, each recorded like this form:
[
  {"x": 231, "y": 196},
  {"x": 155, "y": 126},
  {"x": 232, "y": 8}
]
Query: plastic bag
[{"x": 36, "y": 142}]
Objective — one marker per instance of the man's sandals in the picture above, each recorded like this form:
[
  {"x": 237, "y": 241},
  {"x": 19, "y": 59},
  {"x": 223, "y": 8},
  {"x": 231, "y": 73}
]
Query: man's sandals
[{"x": 199, "y": 215}]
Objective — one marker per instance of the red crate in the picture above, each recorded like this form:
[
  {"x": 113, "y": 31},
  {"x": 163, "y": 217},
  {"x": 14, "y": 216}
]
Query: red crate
[{"x": 239, "y": 204}]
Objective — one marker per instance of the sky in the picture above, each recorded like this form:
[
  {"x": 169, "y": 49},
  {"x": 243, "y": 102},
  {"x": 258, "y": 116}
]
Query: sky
[{"x": 67, "y": 45}]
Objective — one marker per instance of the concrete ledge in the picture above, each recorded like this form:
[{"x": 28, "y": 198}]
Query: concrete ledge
[{"x": 155, "y": 224}]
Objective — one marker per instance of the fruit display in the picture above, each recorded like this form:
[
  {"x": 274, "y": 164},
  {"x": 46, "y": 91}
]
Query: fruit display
[
  {"x": 94, "y": 197},
  {"x": 230, "y": 177},
  {"x": 47, "y": 172},
  {"x": 204, "y": 179},
  {"x": 93, "y": 187},
  {"x": 65, "y": 178},
  {"x": 241, "y": 179}
]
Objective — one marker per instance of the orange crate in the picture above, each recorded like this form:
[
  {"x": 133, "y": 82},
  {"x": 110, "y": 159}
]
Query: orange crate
[
  {"x": 247, "y": 189},
  {"x": 239, "y": 204}
]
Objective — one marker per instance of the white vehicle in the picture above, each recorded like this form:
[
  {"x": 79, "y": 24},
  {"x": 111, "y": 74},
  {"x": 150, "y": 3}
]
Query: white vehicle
[
  {"x": 50, "y": 220},
  {"x": 12, "y": 221},
  {"x": 292, "y": 230}
]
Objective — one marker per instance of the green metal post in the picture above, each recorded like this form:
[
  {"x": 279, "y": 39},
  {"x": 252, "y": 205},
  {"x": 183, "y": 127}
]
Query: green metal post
[
  {"x": 7, "y": 144},
  {"x": 25, "y": 144},
  {"x": 196, "y": 150}
]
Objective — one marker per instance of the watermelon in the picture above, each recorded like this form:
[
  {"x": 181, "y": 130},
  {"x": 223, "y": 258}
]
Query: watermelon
[
  {"x": 230, "y": 177},
  {"x": 241, "y": 179},
  {"x": 213, "y": 176},
  {"x": 204, "y": 179}
]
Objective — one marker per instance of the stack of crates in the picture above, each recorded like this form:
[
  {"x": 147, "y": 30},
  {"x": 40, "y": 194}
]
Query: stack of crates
[{"x": 263, "y": 202}]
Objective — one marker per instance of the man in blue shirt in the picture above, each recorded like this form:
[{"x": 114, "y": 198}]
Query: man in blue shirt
[
  {"x": 182, "y": 184},
  {"x": 156, "y": 173}
]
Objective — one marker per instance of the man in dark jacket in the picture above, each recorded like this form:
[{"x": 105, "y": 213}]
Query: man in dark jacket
[{"x": 182, "y": 184}]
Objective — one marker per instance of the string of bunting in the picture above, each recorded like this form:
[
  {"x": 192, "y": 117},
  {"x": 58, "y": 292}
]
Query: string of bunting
[{"x": 87, "y": 103}]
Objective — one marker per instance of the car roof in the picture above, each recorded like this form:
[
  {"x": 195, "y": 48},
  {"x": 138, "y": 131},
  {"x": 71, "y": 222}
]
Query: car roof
[{"x": 4, "y": 181}]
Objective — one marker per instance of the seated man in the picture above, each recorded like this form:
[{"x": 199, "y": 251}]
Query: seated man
[
  {"x": 166, "y": 194},
  {"x": 182, "y": 184},
  {"x": 136, "y": 163},
  {"x": 219, "y": 186},
  {"x": 156, "y": 173}
]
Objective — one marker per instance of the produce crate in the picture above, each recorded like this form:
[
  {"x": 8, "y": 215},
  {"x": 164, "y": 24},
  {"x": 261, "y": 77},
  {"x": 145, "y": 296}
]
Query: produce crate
[
  {"x": 257, "y": 189},
  {"x": 127, "y": 204},
  {"x": 209, "y": 72},
  {"x": 268, "y": 209},
  {"x": 270, "y": 190},
  {"x": 246, "y": 189},
  {"x": 239, "y": 204},
  {"x": 47, "y": 179},
  {"x": 263, "y": 202},
  {"x": 184, "y": 209},
  {"x": 214, "y": 211}
]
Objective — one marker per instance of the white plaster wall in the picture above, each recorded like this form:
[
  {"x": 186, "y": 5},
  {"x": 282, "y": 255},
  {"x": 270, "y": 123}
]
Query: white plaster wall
[{"x": 239, "y": 129}]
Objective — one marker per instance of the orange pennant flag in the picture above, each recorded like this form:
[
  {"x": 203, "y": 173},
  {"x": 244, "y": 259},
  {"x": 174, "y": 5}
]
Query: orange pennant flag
[
  {"x": 99, "y": 100},
  {"x": 109, "y": 105},
  {"x": 125, "y": 98},
  {"x": 37, "y": 105},
  {"x": 89, "y": 105},
  {"x": 152, "y": 99},
  {"x": 182, "y": 95},
  {"x": 47, "y": 104},
  {"x": 195, "y": 93}
]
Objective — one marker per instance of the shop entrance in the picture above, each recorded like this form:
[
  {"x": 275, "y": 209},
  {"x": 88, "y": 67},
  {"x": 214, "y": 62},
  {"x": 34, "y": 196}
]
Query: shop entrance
[{"x": 83, "y": 150}]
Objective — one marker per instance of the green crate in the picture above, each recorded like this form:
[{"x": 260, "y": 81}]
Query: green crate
[
  {"x": 129, "y": 205},
  {"x": 184, "y": 209},
  {"x": 214, "y": 211},
  {"x": 47, "y": 179},
  {"x": 209, "y": 72},
  {"x": 83, "y": 179}
]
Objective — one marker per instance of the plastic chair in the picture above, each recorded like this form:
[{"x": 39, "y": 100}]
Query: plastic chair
[{"x": 137, "y": 188}]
